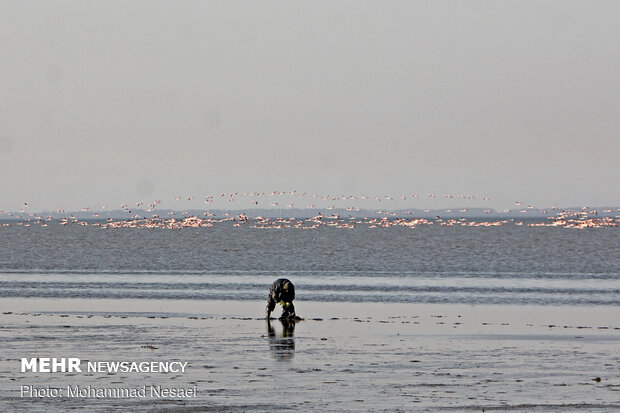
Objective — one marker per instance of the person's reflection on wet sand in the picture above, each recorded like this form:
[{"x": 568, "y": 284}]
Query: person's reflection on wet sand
[{"x": 283, "y": 347}]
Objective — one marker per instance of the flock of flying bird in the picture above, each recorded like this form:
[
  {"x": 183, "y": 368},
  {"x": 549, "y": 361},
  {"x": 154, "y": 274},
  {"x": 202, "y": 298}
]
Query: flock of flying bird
[{"x": 278, "y": 200}]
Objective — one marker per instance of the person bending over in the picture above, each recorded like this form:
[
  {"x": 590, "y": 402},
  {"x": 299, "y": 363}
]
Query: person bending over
[{"x": 282, "y": 291}]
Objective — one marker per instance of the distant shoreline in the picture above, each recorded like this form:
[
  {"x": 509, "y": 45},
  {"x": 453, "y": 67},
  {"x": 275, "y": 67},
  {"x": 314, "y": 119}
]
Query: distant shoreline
[{"x": 451, "y": 213}]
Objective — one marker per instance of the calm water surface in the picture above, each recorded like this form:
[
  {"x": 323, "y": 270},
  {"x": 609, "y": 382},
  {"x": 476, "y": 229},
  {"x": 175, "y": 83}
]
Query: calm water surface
[{"x": 510, "y": 264}]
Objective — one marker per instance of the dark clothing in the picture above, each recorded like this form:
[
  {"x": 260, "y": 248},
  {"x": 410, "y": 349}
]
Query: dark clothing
[{"x": 277, "y": 294}]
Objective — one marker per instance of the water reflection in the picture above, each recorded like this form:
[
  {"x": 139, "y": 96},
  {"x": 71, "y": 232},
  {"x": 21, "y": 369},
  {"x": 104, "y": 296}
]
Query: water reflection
[{"x": 283, "y": 346}]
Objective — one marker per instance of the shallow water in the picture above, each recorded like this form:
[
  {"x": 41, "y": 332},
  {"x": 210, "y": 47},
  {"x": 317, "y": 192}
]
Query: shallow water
[
  {"x": 355, "y": 357},
  {"x": 509, "y": 264}
]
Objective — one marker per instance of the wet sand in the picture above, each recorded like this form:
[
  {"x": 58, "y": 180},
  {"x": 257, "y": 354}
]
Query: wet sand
[{"x": 343, "y": 357}]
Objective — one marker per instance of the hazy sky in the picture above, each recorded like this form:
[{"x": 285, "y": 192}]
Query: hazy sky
[{"x": 104, "y": 102}]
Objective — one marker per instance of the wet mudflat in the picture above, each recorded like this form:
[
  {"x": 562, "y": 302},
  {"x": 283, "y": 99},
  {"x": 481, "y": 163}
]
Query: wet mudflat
[{"x": 347, "y": 357}]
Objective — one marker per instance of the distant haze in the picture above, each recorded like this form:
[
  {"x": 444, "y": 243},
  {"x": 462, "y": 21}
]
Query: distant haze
[{"x": 111, "y": 102}]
